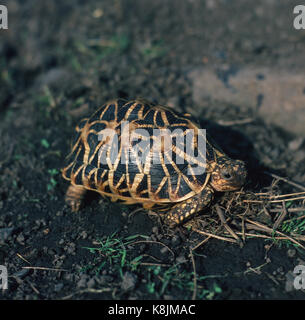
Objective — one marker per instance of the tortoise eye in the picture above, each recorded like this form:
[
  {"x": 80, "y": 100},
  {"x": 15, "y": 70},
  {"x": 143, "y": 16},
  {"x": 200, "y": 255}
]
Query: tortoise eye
[{"x": 226, "y": 175}]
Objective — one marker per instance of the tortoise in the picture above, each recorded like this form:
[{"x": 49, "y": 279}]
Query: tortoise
[{"x": 158, "y": 172}]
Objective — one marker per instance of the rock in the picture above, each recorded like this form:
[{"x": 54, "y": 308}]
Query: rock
[
  {"x": 176, "y": 240},
  {"x": 82, "y": 283},
  {"x": 164, "y": 250},
  {"x": 91, "y": 283},
  {"x": 155, "y": 230},
  {"x": 277, "y": 95},
  {"x": 181, "y": 259},
  {"x": 129, "y": 281},
  {"x": 84, "y": 235},
  {"x": 70, "y": 248},
  {"x": 20, "y": 239},
  {"x": 291, "y": 253},
  {"x": 295, "y": 144},
  {"x": 58, "y": 287}
]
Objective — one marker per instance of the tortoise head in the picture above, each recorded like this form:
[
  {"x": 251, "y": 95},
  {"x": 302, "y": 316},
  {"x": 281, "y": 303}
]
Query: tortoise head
[{"x": 228, "y": 174}]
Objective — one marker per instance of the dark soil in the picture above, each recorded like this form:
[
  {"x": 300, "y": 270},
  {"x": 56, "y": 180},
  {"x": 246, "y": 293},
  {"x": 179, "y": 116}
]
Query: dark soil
[{"x": 59, "y": 60}]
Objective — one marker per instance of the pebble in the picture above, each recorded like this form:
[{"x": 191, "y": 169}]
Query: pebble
[
  {"x": 129, "y": 281},
  {"x": 70, "y": 248},
  {"x": 291, "y": 253},
  {"x": 155, "y": 230},
  {"x": 295, "y": 144},
  {"x": 82, "y": 283},
  {"x": 58, "y": 287},
  {"x": 175, "y": 240},
  {"x": 91, "y": 283},
  {"x": 84, "y": 235},
  {"x": 164, "y": 250},
  {"x": 181, "y": 259},
  {"x": 20, "y": 239}
]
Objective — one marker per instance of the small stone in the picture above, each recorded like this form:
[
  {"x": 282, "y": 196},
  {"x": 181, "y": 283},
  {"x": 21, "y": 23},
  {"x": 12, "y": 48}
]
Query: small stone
[
  {"x": 164, "y": 250},
  {"x": 82, "y": 283},
  {"x": 291, "y": 253},
  {"x": 84, "y": 234},
  {"x": 20, "y": 238},
  {"x": 70, "y": 248},
  {"x": 181, "y": 259},
  {"x": 295, "y": 144},
  {"x": 91, "y": 283},
  {"x": 175, "y": 240},
  {"x": 58, "y": 287},
  {"x": 155, "y": 230},
  {"x": 129, "y": 281},
  {"x": 59, "y": 213}
]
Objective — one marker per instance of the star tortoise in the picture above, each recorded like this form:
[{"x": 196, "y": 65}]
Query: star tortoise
[{"x": 139, "y": 152}]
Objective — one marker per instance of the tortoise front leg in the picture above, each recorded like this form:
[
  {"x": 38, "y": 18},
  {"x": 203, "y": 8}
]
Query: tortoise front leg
[
  {"x": 74, "y": 196},
  {"x": 185, "y": 209}
]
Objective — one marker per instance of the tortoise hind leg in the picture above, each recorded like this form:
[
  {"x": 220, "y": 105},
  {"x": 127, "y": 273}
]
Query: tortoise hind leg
[
  {"x": 74, "y": 196},
  {"x": 185, "y": 209}
]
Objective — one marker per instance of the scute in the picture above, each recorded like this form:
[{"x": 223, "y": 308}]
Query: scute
[
  {"x": 135, "y": 177},
  {"x": 109, "y": 113}
]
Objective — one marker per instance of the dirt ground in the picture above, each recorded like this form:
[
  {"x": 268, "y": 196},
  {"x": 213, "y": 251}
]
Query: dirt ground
[{"x": 60, "y": 60}]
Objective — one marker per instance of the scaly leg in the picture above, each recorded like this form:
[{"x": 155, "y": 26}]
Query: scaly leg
[{"x": 185, "y": 209}]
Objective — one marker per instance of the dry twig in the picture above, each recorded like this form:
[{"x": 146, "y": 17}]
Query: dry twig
[
  {"x": 271, "y": 231},
  {"x": 44, "y": 268},
  {"x": 281, "y": 217},
  {"x": 297, "y": 185},
  {"x": 223, "y": 221},
  {"x": 211, "y": 235},
  {"x": 195, "y": 275}
]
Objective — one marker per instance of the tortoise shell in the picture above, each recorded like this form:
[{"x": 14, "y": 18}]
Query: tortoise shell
[{"x": 140, "y": 152}]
